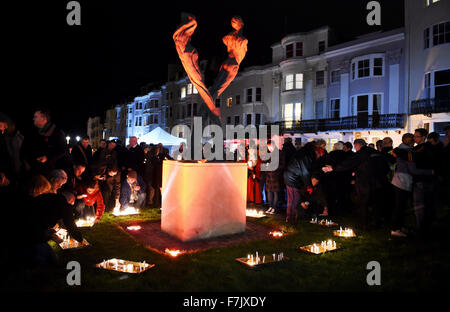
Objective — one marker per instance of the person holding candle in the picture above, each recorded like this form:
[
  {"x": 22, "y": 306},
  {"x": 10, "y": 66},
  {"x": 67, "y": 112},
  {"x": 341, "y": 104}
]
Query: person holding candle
[
  {"x": 91, "y": 196},
  {"x": 133, "y": 191}
]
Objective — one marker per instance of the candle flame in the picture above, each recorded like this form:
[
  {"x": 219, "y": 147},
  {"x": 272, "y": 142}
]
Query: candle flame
[
  {"x": 173, "y": 253},
  {"x": 134, "y": 227},
  {"x": 276, "y": 233}
]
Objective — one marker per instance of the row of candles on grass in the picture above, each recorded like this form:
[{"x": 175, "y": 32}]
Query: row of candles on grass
[
  {"x": 123, "y": 265},
  {"x": 255, "y": 260}
]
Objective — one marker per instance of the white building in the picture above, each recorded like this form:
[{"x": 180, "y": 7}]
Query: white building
[{"x": 427, "y": 28}]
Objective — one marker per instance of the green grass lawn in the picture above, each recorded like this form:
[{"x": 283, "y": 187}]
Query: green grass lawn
[{"x": 408, "y": 264}]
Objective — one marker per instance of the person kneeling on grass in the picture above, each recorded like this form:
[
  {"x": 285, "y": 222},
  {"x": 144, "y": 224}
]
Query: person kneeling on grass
[
  {"x": 90, "y": 195},
  {"x": 44, "y": 212},
  {"x": 313, "y": 199},
  {"x": 132, "y": 193}
]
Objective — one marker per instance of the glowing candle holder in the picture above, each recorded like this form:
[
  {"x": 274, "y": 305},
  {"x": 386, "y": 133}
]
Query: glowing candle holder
[
  {"x": 125, "y": 212},
  {"x": 321, "y": 248},
  {"x": 276, "y": 234},
  {"x": 125, "y": 266},
  {"x": 173, "y": 253},
  {"x": 88, "y": 222},
  {"x": 134, "y": 228},
  {"x": 323, "y": 222},
  {"x": 255, "y": 213},
  {"x": 70, "y": 243},
  {"x": 347, "y": 232},
  {"x": 257, "y": 260}
]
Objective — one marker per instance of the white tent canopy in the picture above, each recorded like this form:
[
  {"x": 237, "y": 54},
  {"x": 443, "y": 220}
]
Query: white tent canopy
[{"x": 158, "y": 135}]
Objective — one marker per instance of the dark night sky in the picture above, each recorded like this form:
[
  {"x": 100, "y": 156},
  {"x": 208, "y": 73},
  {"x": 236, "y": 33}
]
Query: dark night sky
[{"x": 80, "y": 71}]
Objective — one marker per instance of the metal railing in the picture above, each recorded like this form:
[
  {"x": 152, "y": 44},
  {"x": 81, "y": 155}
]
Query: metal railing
[
  {"x": 429, "y": 106},
  {"x": 387, "y": 121}
]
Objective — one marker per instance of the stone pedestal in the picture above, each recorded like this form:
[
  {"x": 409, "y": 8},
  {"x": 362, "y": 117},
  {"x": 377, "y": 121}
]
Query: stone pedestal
[{"x": 203, "y": 200}]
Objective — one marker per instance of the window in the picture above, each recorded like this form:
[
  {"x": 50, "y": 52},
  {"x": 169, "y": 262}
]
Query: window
[
  {"x": 258, "y": 95},
  {"x": 194, "y": 109},
  {"x": 238, "y": 99},
  {"x": 378, "y": 66},
  {"x": 298, "y": 81},
  {"x": 236, "y": 120},
  {"x": 249, "y": 119},
  {"x": 289, "y": 82},
  {"x": 130, "y": 110},
  {"x": 428, "y": 85},
  {"x": 294, "y": 81},
  {"x": 335, "y": 76},
  {"x": 288, "y": 111},
  {"x": 194, "y": 90},
  {"x": 189, "y": 89},
  {"x": 364, "y": 68},
  {"x": 441, "y": 33},
  {"x": 218, "y": 102},
  {"x": 335, "y": 105},
  {"x": 171, "y": 111},
  {"x": 369, "y": 66},
  {"x": 249, "y": 95},
  {"x": 299, "y": 49},
  {"x": 321, "y": 46},
  {"x": 229, "y": 102},
  {"x": 320, "y": 78},
  {"x": 376, "y": 104},
  {"x": 189, "y": 110},
  {"x": 290, "y": 50},
  {"x": 319, "y": 109},
  {"x": 257, "y": 119},
  {"x": 426, "y": 38},
  {"x": 442, "y": 86},
  {"x": 298, "y": 111},
  {"x": 183, "y": 92},
  {"x": 229, "y": 120}
]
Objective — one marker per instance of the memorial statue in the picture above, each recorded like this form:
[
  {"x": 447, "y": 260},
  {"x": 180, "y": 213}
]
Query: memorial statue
[{"x": 236, "y": 48}]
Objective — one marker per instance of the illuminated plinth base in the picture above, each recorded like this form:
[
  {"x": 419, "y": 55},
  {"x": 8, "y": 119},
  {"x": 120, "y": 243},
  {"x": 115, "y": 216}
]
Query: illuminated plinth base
[{"x": 203, "y": 200}]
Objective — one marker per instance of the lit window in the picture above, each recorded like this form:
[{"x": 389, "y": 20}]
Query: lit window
[
  {"x": 189, "y": 88},
  {"x": 183, "y": 92},
  {"x": 335, "y": 108},
  {"x": 298, "y": 81},
  {"x": 298, "y": 111},
  {"x": 430, "y": 2},
  {"x": 229, "y": 102},
  {"x": 289, "y": 82}
]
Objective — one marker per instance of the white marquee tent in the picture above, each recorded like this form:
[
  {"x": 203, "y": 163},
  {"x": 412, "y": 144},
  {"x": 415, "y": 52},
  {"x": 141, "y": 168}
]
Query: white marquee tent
[{"x": 158, "y": 135}]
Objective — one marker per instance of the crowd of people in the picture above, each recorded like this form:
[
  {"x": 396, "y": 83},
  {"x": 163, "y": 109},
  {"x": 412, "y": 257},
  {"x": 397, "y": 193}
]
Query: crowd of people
[
  {"x": 377, "y": 183},
  {"x": 48, "y": 184}
]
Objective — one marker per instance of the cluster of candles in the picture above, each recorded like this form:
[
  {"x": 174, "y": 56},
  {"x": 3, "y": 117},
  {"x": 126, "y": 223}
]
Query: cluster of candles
[
  {"x": 277, "y": 233},
  {"x": 173, "y": 253},
  {"x": 254, "y": 213},
  {"x": 255, "y": 260},
  {"x": 134, "y": 227},
  {"x": 126, "y": 212},
  {"x": 345, "y": 233},
  {"x": 322, "y": 222},
  {"x": 324, "y": 246},
  {"x": 123, "y": 266},
  {"x": 88, "y": 222},
  {"x": 69, "y": 242}
]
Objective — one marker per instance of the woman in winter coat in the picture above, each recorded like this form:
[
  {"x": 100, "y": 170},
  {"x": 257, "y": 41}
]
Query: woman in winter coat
[{"x": 403, "y": 181}]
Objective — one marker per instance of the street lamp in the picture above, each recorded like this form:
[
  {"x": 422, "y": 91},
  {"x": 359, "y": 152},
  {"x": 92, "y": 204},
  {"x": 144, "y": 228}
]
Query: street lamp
[
  {"x": 78, "y": 138},
  {"x": 68, "y": 139}
]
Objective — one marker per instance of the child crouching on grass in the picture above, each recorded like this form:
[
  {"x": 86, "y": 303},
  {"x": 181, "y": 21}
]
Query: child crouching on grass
[{"x": 90, "y": 195}]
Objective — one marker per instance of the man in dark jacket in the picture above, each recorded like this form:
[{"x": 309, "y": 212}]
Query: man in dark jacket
[
  {"x": 371, "y": 170},
  {"x": 45, "y": 149},
  {"x": 423, "y": 185},
  {"x": 132, "y": 191},
  {"x": 10, "y": 163},
  {"x": 82, "y": 152},
  {"x": 135, "y": 157},
  {"x": 296, "y": 176}
]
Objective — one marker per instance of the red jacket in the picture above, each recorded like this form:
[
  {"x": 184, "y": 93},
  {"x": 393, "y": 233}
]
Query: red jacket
[{"x": 93, "y": 198}]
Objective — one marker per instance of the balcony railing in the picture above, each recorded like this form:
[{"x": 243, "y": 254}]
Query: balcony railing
[
  {"x": 388, "y": 121},
  {"x": 429, "y": 106}
]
